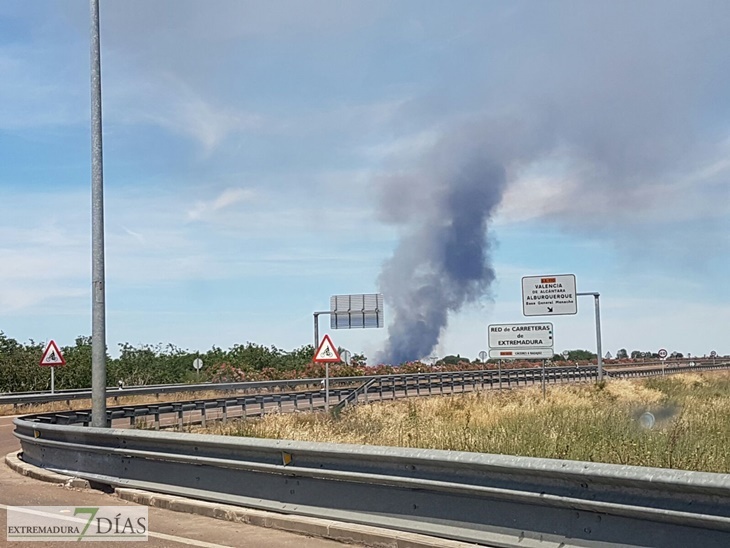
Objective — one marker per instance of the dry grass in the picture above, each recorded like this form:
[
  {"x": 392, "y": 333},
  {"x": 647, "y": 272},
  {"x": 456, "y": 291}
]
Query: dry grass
[
  {"x": 113, "y": 400},
  {"x": 589, "y": 423}
]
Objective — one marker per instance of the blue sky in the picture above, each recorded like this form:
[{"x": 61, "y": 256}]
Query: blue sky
[{"x": 260, "y": 157}]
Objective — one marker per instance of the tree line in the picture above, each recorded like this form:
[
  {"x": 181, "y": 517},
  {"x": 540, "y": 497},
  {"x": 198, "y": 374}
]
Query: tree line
[
  {"x": 167, "y": 364},
  {"x": 140, "y": 365}
]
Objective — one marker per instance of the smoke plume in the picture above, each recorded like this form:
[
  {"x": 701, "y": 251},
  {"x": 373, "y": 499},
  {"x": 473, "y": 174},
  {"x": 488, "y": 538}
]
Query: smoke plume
[{"x": 442, "y": 261}]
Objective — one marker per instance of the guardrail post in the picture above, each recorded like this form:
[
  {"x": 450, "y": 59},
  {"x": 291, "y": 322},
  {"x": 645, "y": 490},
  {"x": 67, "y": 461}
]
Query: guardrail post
[
  {"x": 225, "y": 412},
  {"x": 81, "y": 417},
  {"x": 177, "y": 408},
  {"x": 156, "y": 415},
  {"x": 200, "y": 404}
]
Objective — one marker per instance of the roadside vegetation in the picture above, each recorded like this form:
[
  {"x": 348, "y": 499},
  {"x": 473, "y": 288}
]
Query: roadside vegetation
[
  {"x": 145, "y": 365},
  {"x": 168, "y": 364},
  {"x": 680, "y": 422}
]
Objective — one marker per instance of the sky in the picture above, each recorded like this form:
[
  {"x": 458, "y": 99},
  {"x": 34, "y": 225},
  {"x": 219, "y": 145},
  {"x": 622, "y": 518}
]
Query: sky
[{"x": 260, "y": 157}]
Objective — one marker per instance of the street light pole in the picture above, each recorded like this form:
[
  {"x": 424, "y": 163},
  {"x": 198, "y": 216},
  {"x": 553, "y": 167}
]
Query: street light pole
[{"x": 98, "y": 323}]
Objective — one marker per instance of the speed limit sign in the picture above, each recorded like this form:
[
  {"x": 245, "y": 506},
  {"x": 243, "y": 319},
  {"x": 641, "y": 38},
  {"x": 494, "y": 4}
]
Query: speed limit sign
[{"x": 662, "y": 353}]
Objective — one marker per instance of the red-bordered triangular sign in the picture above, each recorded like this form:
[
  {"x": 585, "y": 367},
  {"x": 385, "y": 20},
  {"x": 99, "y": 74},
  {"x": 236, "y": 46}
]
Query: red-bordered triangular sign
[
  {"x": 327, "y": 352},
  {"x": 52, "y": 355}
]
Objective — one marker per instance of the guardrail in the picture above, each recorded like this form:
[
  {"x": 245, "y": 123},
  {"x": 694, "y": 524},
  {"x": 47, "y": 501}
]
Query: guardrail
[
  {"x": 491, "y": 499},
  {"x": 494, "y": 500},
  {"x": 377, "y": 387},
  {"x": 513, "y": 375},
  {"x": 115, "y": 392},
  {"x": 353, "y": 390}
]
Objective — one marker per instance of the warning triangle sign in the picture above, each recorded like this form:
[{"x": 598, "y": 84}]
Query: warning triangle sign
[
  {"x": 52, "y": 355},
  {"x": 327, "y": 352}
]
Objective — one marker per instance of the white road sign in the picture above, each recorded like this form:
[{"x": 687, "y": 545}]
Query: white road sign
[
  {"x": 521, "y": 354},
  {"x": 551, "y": 295},
  {"x": 662, "y": 353},
  {"x": 521, "y": 335},
  {"x": 327, "y": 352},
  {"x": 197, "y": 364},
  {"x": 52, "y": 355}
]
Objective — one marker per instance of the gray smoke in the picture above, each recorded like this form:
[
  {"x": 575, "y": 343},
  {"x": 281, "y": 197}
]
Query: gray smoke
[
  {"x": 627, "y": 128},
  {"x": 442, "y": 261}
]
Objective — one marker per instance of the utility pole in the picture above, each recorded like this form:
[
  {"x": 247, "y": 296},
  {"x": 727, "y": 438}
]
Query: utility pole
[{"x": 98, "y": 322}]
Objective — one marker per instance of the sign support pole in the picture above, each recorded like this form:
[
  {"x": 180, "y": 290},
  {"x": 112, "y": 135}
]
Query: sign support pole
[
  {"x": 53, "y": 379},
  {"x": 316, "y": 327},
  {"x": 327, "y": 387},
  {"x": 598, "y": 331}
]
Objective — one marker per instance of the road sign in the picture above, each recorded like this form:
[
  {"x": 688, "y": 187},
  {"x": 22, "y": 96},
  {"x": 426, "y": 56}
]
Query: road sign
[
  {"x": 521, "y": 335},
  {"x": 327, "y": 352},
  {"x": 662, "y": 353},
  {"x": 566, "y": 354},
  {"x": 521, "y": 354},
  {"x": 483, "y": 356},
  {"x": 52, "y": 356},
  {"x": 353, "y": 311},
  {"x": 713, "y": 354},
  {"x": 197, "y": 364},
  {"x": 551, "y": 295}
]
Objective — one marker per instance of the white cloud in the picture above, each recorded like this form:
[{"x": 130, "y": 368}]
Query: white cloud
[
  {"x": 406, "y": 148},
  {"x": 535, "y": 197},
  {"x": 22, "y": 297},
  {"x": 226, "y": 199},
  {"x": 167, "y": 101},
  {"x": 566, "y": 191}
]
